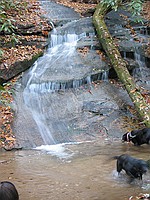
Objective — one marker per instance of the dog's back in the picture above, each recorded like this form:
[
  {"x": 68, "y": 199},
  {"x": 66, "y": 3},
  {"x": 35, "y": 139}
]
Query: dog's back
[
  {"x": 133, "y": 167},
  {"x": 138, "y": 137},
  {"x": 142, "y": 136}
]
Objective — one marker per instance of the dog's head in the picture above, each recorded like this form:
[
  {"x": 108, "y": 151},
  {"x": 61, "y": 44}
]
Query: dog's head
[
  {"x": 127, "y": 137},
  {"x": 142, "y": 169}
]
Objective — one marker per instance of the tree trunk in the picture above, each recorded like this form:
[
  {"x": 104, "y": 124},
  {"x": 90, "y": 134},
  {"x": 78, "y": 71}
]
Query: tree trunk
[{"x": 119, "y": 64}]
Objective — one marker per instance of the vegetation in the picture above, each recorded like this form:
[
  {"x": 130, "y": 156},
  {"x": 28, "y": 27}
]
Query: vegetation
[
  {"x": 114, "y": 55},
  {"x": 8, "y": 28},
  {"x": 7, "y": 23},
  {"x": 17, "y": 45},
  {"x": 134, "y": 6},
  {"x": 13, "y": 12}
]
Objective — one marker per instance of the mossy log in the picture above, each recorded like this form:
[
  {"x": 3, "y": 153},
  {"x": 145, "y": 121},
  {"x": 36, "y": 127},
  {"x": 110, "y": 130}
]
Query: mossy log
[{"x": 119, "y": 64}]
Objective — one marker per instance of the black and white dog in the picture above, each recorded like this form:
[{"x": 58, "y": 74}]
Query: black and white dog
[
  {"x": 133, "y": 167},
  {"x": 138, "y": 137}
]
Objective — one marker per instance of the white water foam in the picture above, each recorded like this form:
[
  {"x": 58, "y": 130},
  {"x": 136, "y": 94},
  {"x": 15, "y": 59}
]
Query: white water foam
[{"x": 58, "y": 150}]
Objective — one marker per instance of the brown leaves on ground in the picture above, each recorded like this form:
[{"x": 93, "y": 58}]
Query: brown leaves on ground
[
  {"x": 26, "y": 17},
  {"x": 148, "y": 49},
  {"x": 83, "y": 51},
  {"x": 7, "y": 138},
  {"x": 102, "y": 55},
  {"x": 27, "y": 13},
  {"x": 21, "y": 52},
  {"x": 6, "y": 135},
  {"x": 78, "y": 6},
  {"x": 18, "y": 53},
  {"x": 146, "y": 10},
  {"x": 28, "y": 21}
]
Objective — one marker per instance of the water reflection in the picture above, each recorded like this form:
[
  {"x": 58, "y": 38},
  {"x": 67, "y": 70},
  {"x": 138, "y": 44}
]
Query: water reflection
[{"x": 87, "y": 173}]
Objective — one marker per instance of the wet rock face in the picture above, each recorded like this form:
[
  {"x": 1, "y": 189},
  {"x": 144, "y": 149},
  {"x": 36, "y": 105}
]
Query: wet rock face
[
  {"x": 132, "y": 40},
  {"x": 16, "y": 68},
  {"x": 103, "y": 108},
  {"x": 58, "y": 14},
  {"x": 129, "y": 45},
  {"x": 57, "y": 100},
  {"x": 129, "y": 36}
]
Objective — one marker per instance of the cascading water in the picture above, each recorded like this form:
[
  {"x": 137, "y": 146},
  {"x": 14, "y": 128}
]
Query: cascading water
[
  {"x": 32, "y": 97},
  {"x": 139, "y": 58},
  {"x": 57, "y": 70},
  {"x": 142, "y": 70},
  {"x": 61, "y": 102}
]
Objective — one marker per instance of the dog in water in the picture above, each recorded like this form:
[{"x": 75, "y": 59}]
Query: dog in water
[
  {"x": 138, "y": 137},
  {"x": 133, "y": 167}
]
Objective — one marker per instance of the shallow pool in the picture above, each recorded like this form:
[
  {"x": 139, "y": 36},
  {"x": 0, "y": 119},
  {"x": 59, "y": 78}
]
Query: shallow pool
[{"x": 83, "y": 171}]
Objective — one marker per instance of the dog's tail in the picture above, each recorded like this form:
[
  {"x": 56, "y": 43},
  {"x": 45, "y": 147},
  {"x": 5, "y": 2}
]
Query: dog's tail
[{"x": 115, "y": 157}]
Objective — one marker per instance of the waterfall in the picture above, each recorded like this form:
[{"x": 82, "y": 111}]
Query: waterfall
[
  {"x": 51, "y": 87},
  {"x": 60, "y": 69},
  {"x": 60, "y": 50},
  {"x": 105, "y": 75},
  {"x": 141, "y": 71},
  {"x": 140, "y": 61}
]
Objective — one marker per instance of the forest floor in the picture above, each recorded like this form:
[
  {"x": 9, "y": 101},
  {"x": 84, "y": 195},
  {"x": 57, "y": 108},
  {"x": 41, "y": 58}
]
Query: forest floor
[{"x": 29, "y": 15}]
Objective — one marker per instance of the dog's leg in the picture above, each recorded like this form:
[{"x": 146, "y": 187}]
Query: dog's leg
[
  {"x": 140, "y": 177},
  {"x": 148, "y": 141},
  {"x": 119, "y": 166}
]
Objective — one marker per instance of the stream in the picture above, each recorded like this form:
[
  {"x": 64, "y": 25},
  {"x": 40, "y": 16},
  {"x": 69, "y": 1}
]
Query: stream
[
  {"x": 69, "y": 122},
  {"x": 73, "y": 171}
]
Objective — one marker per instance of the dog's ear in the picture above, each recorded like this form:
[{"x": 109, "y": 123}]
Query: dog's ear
[
  {"x": 135, "y": 132},
  {"x": 131, "y": 136}
]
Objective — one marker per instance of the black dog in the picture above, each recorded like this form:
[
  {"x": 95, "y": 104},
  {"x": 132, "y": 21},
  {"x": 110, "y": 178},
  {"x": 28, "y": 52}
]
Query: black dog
[
  {"x": 133, "y": 167},
  {"x": 138, "y": 137}
]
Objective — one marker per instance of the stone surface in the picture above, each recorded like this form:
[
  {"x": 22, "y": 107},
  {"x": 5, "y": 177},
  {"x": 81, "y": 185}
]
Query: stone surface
[{"x": 47, "y": 113}]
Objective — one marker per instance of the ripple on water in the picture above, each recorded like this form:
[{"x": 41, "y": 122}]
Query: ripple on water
[{"x": 89, "y": 172}]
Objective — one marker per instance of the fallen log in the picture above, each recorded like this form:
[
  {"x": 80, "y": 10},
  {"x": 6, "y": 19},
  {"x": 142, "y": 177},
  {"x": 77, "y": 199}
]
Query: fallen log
[{"x": 119, "y": 64}]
